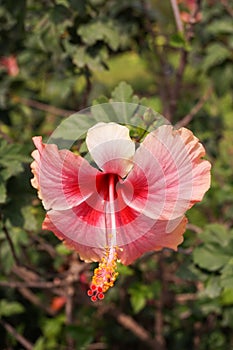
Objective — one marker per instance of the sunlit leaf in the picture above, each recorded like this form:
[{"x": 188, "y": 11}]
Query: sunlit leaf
[{"x": 9, "y": 308}]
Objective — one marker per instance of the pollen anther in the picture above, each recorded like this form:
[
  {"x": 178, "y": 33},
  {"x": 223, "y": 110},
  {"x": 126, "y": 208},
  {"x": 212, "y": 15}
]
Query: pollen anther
[{"x": 104, "y": 276}]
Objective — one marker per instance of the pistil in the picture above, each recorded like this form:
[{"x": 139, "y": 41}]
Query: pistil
[{"x": 105, "y": 275}]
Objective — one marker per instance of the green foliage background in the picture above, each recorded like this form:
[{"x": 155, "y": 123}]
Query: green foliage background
[{"x": 72, "y": 54}]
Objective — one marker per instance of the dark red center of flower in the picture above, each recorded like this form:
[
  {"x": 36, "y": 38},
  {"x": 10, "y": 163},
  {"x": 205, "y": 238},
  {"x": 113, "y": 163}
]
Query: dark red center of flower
[{"x": 102, "y": 185}]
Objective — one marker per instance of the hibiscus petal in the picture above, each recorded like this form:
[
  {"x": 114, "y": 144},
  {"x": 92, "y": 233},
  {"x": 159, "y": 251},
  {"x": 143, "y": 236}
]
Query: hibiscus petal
[
  {"x": 157, "y": 238},
  {"x": 169, "y": 175},
  {"x": 62, "y": 178},
  {"x": 89, "y": 224},
  {"x": 87, "y": 253},
  {"x": 84, "y": 229},
  {"x": 86, "y": 225},
  {"x": 111, "y": 147}
]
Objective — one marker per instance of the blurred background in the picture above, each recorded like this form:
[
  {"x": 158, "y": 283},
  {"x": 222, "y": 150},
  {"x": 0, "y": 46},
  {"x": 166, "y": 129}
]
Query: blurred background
[{"x": 58, "y": 57}]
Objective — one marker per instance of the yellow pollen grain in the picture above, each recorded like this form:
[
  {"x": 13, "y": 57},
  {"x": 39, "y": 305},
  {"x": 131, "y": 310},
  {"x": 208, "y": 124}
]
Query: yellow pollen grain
[{"x": 105, "y": 275}]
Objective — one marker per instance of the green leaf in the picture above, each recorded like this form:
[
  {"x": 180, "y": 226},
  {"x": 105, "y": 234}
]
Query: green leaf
[
  {"x": 2, "y": 190},
  {"x": 210, "y": 257},
  {"x": 104, "y": 30},
  {"x": 40, "y": 344},
  {"x": 83, "y": 334},
  {"x": 60, "y": 16},
  {"x": 52, "y": 330},
  {"x": 227, "y": 296},
  {"x": 124, "y": 270},
  {"x": 52, "y": 327},
  {"x": 227, "y": 317},
  {"x": 216, "y": 54},
  {"x": 216, "y": 233},
  {"x": 222, "y": 77},
  {"x": 11, "y": 159},
  {"x": 219, "y": 26},
  {"x": 139, "y": 294},
  {"x": 188, "y": 272},
  {"x": 209, "y": 306},
  {"x": 138, "y": 302},
  {"x": 216, "y": 250},
  {"x": 62, "y": 249},
  {"x": 81, "y": 58},
  {"x": 177, "y": 40},
  {"x": 9, "y": 308},
  {"x": 99, "y": 100},
  {"x": 30, "y": 222},
  {"x": 79, "y": 6},
  {"x": 122, "y": 93},
  {"x": 18, "y": 238},
  {"x": 213, "y": 287},
  {"x": 62, "y": 2},
  {"x": 227, "y": 275}
]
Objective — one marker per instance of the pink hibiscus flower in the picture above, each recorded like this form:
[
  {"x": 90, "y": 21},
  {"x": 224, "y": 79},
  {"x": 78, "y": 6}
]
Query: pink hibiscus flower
[{"x": 132, "y": 202}]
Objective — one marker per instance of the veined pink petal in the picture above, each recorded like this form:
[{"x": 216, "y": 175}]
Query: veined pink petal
[
  {"x": 88, "y": 230},
  {"x": 169, "y": 175},
  {"x": 62, "y": 178},
  {"x": 156, "y": 239},
  {"x": 86, "y": 253},
  {"x": 111, "y": 148},
  {"x": 70, "y": 226},
  {"x": 89, "y": 225}
]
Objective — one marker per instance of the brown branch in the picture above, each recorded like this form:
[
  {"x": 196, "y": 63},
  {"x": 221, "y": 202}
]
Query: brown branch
[
  {"x": 159, "y": 326},
  {"x": 187, "y": 119},
  {"x": 178, "y": 81},
  {"x": 36, "y": 284},
  {"x": 194, "y": 228},
  {"x": 12, "y": 248},
  {"x": 165, "y": 86},
  {"x": 69, "y": 306},
  {"x": 183, "y": 298},
  {"x": 22, "y": 340},
  {"x": 32, "y": 280},
  {"x": 44, "y": 107},
  {"x": 176, "y": 13},
  {"x": 29, "y": 295},
  {"x": 227, "y": 7},
  {"x": 44, "y": 246},
  {"x": 129, "y": 323},
  {"x": 176, "y": 90},
  {"x": 159, "y": 322},
  {"x": 97, "y": 346},
  {"x": 72, "y": 277},
  {"x": 87, "y": 90},
  {"x": 19, "y": 268},
  {"x": 192, "y": 20},
  {"x": 198, "y": 329},
  {"x": 25, "y": 273}
]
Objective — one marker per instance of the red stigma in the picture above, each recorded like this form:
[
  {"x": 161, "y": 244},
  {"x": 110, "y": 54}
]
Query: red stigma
[{"x": 95, "y": 293}]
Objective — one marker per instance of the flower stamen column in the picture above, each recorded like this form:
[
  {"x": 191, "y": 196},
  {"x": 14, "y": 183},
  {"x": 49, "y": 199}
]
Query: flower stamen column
[{"x": 105, "y": 275}]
